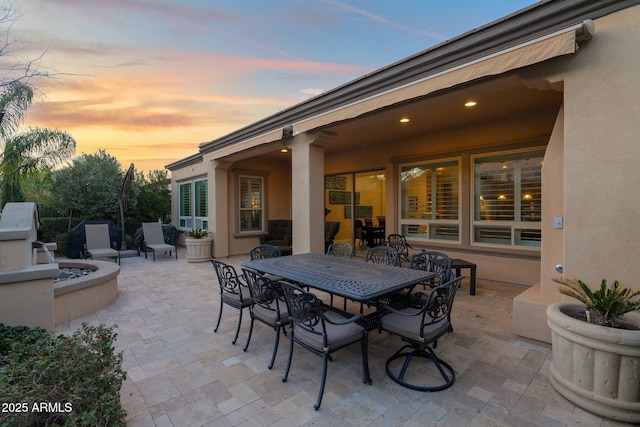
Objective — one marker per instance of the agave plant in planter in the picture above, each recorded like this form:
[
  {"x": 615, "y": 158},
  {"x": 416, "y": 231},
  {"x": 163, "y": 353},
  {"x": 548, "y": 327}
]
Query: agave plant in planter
[
  {"x": 596, "y": 356},
  {"x": 199, "y": 245},
  {"x": 605, "y": 305}
]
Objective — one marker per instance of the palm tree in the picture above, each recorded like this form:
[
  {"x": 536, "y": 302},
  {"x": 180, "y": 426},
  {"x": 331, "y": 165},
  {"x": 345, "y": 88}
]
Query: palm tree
[{"x": 27, "y": 151}]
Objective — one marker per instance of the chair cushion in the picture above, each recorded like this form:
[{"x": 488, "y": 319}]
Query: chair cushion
[
  {"x": 337, "y": 335},
  {"x": 103, "y": 253},
  {"x": 161, "y": 247},
  {"x": 270, "y": 317},
  {"x": 234, "y": 298},
  {"x": 409, "y": 326}
]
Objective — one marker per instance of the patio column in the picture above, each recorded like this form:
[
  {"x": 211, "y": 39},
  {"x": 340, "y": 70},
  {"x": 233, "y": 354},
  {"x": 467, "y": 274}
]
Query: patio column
[
  {"x": 307, "y": 194},
  {"x": 218, "y": 212}
]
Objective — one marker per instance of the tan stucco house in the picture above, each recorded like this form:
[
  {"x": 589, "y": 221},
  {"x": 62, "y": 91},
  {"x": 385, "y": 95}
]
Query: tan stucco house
[{"x": 542, "y": 170}]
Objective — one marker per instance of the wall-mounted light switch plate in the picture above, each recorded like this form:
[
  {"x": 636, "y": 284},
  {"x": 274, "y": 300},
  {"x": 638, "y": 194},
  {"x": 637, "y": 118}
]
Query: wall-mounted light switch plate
[{"x": 558, "y": 222}]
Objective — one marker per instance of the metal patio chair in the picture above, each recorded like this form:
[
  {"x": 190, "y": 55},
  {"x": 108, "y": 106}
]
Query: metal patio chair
[
  {"x": 399, "y": 243},
  {"x": 340, "y": 250},
  {"x": 384, "y": 255},
  {"x": 267, "y": 306},
  {"x": 264, "y": 251},
  {"x": 317, "y": 328},
  {"x": 233, "y": 292},
  {"x": 421, "y": 328},
  {"x": 436, "y": 262}
]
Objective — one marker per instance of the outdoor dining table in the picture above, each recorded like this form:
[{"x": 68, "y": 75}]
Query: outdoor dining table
[{"x": 352, "y": 279}]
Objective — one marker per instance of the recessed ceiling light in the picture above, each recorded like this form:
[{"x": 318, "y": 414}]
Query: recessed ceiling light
[
  {"x": 284, "y": 150},
  {"x": 470, "y": 104},
  {"x": 405, "y": 120}
]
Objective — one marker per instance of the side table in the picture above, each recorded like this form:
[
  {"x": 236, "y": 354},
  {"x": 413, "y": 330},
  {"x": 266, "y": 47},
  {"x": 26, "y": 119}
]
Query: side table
[{"x": 457, "y": 264}]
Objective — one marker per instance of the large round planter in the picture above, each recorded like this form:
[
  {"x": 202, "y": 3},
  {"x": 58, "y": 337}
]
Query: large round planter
[
  {"x": 595, "y": 367},
  {"x": 198, "y": 250}
]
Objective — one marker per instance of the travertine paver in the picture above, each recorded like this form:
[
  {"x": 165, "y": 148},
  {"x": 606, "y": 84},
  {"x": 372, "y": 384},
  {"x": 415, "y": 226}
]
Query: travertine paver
[{"x": 181, "y": 373}]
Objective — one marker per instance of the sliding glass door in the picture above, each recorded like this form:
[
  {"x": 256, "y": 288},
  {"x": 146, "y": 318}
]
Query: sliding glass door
[{"x": 358, "y": 201}]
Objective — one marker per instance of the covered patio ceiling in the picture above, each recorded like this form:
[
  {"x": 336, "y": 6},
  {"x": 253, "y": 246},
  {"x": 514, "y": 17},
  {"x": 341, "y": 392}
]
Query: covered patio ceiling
[{"x": 499, "y": 100}]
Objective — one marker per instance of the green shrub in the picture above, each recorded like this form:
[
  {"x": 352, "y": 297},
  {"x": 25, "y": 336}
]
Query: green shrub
[{"x": 59, "y": 380}]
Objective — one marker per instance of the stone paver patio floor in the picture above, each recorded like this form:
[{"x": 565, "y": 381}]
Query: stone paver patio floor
[{"x": 181, "y": 373}]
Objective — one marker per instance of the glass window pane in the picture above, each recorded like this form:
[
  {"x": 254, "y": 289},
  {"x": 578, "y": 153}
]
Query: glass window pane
[
  {"x": 251, "y": 203},
  {"x": 501, "y": 235},
  {"x": 200, "y": 190},
  {"x": 185, "y": 199},
  {"x": 495, "y": 190}
]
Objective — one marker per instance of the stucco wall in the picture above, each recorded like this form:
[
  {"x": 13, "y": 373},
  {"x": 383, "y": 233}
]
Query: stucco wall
[
  {"x": 602, "y": 153},
  {"x": 278, "y": 194},
  {"x": 596, "y": 176}
]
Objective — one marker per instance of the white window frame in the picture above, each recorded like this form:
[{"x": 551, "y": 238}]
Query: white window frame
[
  {"x": 516, "y": 226},
  {"x": 192, "y": 221},
  {"x": 431, "y": 224}
]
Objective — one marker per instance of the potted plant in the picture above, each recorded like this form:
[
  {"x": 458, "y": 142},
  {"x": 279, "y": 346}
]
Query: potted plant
[
  {"x": 199, "y": 245},
  {"x": 596, "y": 353}
]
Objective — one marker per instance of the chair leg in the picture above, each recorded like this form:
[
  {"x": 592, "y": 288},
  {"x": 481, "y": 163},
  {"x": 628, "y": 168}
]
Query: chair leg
[
  {"x": 364, "y": 344},
  {"x": 446, "y": 371},
  {"x": 219, "y": 316},
  {"x": 325, "y": 362},
  {"x": 275, "y": 347},
  {"x": 246, "y": 344},
  {"x": 238, "y": 328},
  {"x": 286, "y": 370}
]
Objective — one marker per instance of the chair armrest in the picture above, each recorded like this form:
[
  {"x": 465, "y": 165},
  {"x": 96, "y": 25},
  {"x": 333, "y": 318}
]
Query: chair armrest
[
  {"x": 402, "y": 313},
  {"x": 350, "y": 320}
]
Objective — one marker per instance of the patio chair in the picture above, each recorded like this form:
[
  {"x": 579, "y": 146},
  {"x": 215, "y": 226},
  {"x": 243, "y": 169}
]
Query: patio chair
[
  {"x": 267, "y": 306},
  {"x": 264, "y": 251},
  {"x": 154, "y": 240},
  {"x": 384, "y": 255},
  {"x": 99, "y": 243},
  {"x": 421, "y": 328},
  {"x": 399, "y": 243},
  {"x": 320, "y": 330},
  {"x": 233, "y": 292},
  {"x": 340, "y": 250},
  {"x": 436, "y": 262}
]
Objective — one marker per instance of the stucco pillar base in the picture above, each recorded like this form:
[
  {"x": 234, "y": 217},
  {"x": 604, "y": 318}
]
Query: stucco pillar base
[{"x": 530, "y": 314}]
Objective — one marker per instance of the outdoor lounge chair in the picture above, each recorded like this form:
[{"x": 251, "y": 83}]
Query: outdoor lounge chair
[
  {"x": 420, "y": 328},
  {"x": 154, "y": 240},
  {"x": 322, "y": 331},
  {"x": 99, "y": 243}
]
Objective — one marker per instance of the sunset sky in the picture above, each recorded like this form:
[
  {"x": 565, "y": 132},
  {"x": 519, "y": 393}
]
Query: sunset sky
[{"x": 149, "y": 80}]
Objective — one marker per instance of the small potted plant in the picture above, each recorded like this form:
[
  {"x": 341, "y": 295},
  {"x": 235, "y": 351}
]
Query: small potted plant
[
  {"x": 596, "y": 353},
  {"x": 199, "y": 245}
]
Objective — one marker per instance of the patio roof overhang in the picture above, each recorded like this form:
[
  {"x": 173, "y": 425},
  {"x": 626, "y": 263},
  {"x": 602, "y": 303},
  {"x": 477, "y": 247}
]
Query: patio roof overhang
[
  {"x": 434, "y": 102},
  {"x": 537, "y": 33}
]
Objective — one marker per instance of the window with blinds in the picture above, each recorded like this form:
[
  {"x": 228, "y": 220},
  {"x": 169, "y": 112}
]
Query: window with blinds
[
  {"x": 508, "y": 199},
  {"x": 430, "y": 200},
  {"x": 193, "y": 205},
  {"x": 184, "y": 202},
  {"x": 251, "y": 203}
]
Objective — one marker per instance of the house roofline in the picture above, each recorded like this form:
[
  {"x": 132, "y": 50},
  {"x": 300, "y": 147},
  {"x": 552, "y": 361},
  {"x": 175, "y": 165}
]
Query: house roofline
[
  {"x": 187, "y": 161},
  {"x": 517, "y": 28}
]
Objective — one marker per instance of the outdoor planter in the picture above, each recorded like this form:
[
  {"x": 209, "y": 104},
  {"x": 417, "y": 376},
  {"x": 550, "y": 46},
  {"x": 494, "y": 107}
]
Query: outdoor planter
[
  {"x": 595, "y": 367},
  {"x": 198, "y": 249}
]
